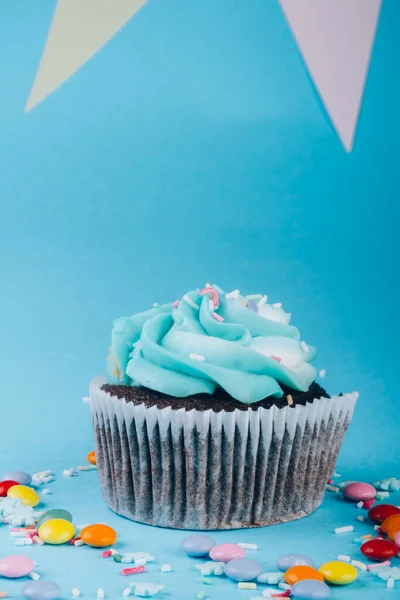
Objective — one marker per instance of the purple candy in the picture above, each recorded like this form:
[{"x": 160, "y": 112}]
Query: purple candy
[
  {"x": 197, "y": 545},
  {"x": 293, "y": 560},
  {"x": 41, "y": 590},
  {"x": 242, "y": 569},
  {"x": 310, "y": 589},
  {"x": 22, "y": 477}
]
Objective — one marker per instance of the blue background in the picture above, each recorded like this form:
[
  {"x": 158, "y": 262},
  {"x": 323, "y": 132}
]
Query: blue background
[{"x": 192, "y": 148}]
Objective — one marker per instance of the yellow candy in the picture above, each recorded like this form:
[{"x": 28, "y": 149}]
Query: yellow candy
[
  {"x": 338, "y": 572},
  {"x": 56, "y": 531},
  {"x": 28, "y": 496}
]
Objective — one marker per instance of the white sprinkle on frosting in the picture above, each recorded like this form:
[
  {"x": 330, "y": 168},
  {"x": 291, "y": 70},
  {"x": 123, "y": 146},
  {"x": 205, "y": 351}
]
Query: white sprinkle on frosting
[
  {"x": 191, "y": 302},
  {"x": 233, "y": 294},
  {"x": 198, "y": 357},
  {"x": 304, "y": 346},
  {"x": 322, "y": 373},
  {"x": 263, "y": 300},
  {"x": 277, "y": 305}
]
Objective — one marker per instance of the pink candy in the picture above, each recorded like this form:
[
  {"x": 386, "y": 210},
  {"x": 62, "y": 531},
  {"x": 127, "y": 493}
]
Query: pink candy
[
  {"x": 226, "y": 552},
  {"x": 16, "y": 566},
  {"x": 358, "y": 491}
]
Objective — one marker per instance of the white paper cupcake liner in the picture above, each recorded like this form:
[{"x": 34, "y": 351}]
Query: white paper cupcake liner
[{"x": 216, "y": 470}]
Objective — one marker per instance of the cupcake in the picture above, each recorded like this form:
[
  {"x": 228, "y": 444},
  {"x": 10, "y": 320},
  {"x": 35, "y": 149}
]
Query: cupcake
[{"x": 210, "y": 417}]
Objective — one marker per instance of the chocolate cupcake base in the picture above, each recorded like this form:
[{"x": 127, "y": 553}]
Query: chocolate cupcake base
[{"x": 205, "y": 470}]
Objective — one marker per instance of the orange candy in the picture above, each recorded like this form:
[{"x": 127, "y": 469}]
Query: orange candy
[
  {"x": 393, "y": 529},
  {"x": 391, "y": 522},
  {"x": 98, "y": 536},
  {"x": 295, "y": 574},
  {"x": 91, "y": 457}
]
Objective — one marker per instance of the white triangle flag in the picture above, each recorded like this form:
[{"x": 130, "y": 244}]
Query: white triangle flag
[
  {"x": 336, "y": 38},
  {"x": 79, "y": 29}
]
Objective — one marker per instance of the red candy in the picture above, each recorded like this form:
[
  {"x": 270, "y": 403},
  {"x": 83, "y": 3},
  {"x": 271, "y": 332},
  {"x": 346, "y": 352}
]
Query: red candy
[
  {"x": 379, "y": 549},
  {"x": 380, "y": 512},
  {"x": 6, "y": 485},
  {"x": 368, "y": 503}
]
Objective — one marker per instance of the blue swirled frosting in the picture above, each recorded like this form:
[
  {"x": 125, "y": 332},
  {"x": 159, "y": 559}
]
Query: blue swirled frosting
[{"x": 247, "y": 348}]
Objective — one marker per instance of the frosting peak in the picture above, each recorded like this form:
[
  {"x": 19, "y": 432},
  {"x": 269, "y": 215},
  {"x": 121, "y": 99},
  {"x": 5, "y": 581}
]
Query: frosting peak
[{"x": 210, "y": 339}]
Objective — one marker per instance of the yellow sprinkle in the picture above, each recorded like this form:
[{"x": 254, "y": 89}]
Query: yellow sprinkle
[
  {"x": 243, "y": 585},
  {"x": 289, "y": 400},
  {"x": 366, "y": 537}
]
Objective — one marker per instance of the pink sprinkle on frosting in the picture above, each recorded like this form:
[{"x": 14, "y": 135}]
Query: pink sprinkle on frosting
[
  {"x": 276, "y": 358},
  {"x": 217, "y": 317},
  {"x": 213, "y": 292},
  {"x": 176, "y": 303}
]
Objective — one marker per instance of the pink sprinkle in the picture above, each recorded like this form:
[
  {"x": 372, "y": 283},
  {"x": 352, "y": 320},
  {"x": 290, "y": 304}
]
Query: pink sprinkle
[
  {"x": 386, "y": 563},
  {"x": 330, "y": 482},
  {"x": 176, "y": 303},
  {"x": 106, "y": 554},
  {"x": 75, "y": 539},
  {"x": 217, "y": 317},
  {"x": 276, "y": 358},
  {"x": 368, "y": 503},
  {"x": 214, "y": 294},
  {"x": 31, "y": 534},
  {"x": 133, "y": 570}
]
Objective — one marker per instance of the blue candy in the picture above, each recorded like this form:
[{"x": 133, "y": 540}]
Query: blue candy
[
  {"x": 293, "y": 560},
  {"x": 197, "y": 545},
  {"x": 40, "y": 590},
  {"x": 20, "y": 476},
  {"x": 310, "y": 589},
  {"x": 242, "y": 569}
]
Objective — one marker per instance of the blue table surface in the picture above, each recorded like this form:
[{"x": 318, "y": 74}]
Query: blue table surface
[{"x": 82, "y": 567}]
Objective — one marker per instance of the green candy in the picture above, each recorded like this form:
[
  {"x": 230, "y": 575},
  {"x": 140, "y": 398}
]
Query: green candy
[{"x": 55, "y": 513}]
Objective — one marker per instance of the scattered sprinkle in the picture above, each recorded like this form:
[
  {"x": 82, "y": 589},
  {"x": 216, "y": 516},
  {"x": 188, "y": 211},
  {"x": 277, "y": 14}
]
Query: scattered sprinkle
[
  {"x": 360, "y": 518},
  {"x": 246, "y": 585},
  {"x": 390, "y": 583},
  {"x": 345, "y": 529},
  {"x": 211, "y": 304},
  {"x": 382, "y": 495},
  {"x": 304, "y": 346},
  {"x": 246, "y": 546},
  {"x": 391, "y": 484},
  {"x": 70, "y": 473},
  {"x": 233, "y": 294},
  {"x": 270, "y": 578},
  {"x": 360, "y": 504},
  {"x": 385, "y": 563},
  {"x": 322, "y": 374},
  {"x": 206, "y": 581},
  {"x": 46, "y": 492},
  {"x": 359, "y": 565},
  {"x": 133, "y": 570},
  {"x": 276, "y": 358},
  {"x": 34, "y": 575},
  {"x": 191, "y": 302},
  {"x": 126, "y": 592},
  {"x": 263, "y": 300},
  {"x": 198, "y": 357},
  {"x": 368, "y": 503},
  {"x": 76, "y": 592},
  {"x": 289, "y": 400},
  {"x": 165, "y": 568},
  {"x": 332, "y": 488},
  {"x": 253, "y": 296},
  {"x": 277, "y": 305},
  {"x": 106, "y": 554},
  {"x": 86, "y": 399},
  {"x": 155, "y": 304},
  {"x": 343, "y": 557},
  {"x": 366, "y": 537},
  {"x": 176, "y": 303},
  {"x": 100, "y": 593}
]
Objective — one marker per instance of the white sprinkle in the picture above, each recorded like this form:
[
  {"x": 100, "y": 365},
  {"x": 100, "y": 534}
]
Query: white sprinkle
[
  {"x": 18, "y": 534},
  {"x": 277, "y": 305},
  {"x": 79, "y": 543},
  {"x": 361, "y": 518},
  {"x": 38, "y": 540},
  {"x": 76, "y": 592},
  {"x": 198, "y": 357},
  {"x": 155, "y": 304},
  {"x": 336, "y": 475},
  {"x": 208, "y": 285},
  {"x": 270, "y": 578},
  {"x": 322, "y": 374},
  {"x": 245, "y": 585},
  {"x": 345, "y": 529},
  {"x": 140, "y": 561},
  {"x": 34, "y": 575},
  {"x": 284, "y": 586},
  {"x": 383, "y": 495},
  {"x": 211, "y": 304},
  {"x": 86, "y": 399},
  {"x": 165, "y": 568},
  {"x": 359, "y": 565},
  {"x": 332, "y": 488},
  {"x": 377, "y": 527},
  {"x": 343, "y": 557},
  {"x": 191, "y": 302},
  {"x": 233, "y": 294},
  {"x": 254, "y": 296},
  {"x": 263, "y": 300},
  {"x": 360, "y": 504},
  {"x": 126, "y": 592},
  {"x": 246, "y": 546},
  {"x": 390, "y": 583},
  {"x": 48, "y": 479},
  {"x": 69, "y": 472},
  {"x": 100, "y": 593},
  {"x": 304, "y": 346}
]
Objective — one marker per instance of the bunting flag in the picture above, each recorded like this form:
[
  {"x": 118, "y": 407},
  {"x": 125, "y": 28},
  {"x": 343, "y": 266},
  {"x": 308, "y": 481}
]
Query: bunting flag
[{"x": 335, "y": 38}]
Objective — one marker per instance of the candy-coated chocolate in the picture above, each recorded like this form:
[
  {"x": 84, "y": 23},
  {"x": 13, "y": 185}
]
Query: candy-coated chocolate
[
  {"x": 55, "y": 513},
  {"x": 380, "y": 512},
  {"x": 41, "y": 590},
  {"x": 379, "y": 549},
  {"x": 310, "y": 589},
  {"x": 27, "y": 495},
  {"x": 91, "y": 457},
  {"x": 226, "y": 552},
  {"x": 295, "y": 574},
  {"x": 242, "y": 569},
  {"x": 393, "y": 530},
  {"x": 15, "y": 565},
  {"x": 56, "y": 531},
  {"x": 197, "y": 545},
  {"x": 338, "y": 572},
  {"x": 21, "y": 477},
  {"x": 5, "y": 486},
  {"x": 397, "y": 539},
  {"x": 358, "y": 491},
  {"x": 98, "y": 536},
  {"x": 391, "y": 521},
  {"x": 293, "y": 560}
]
